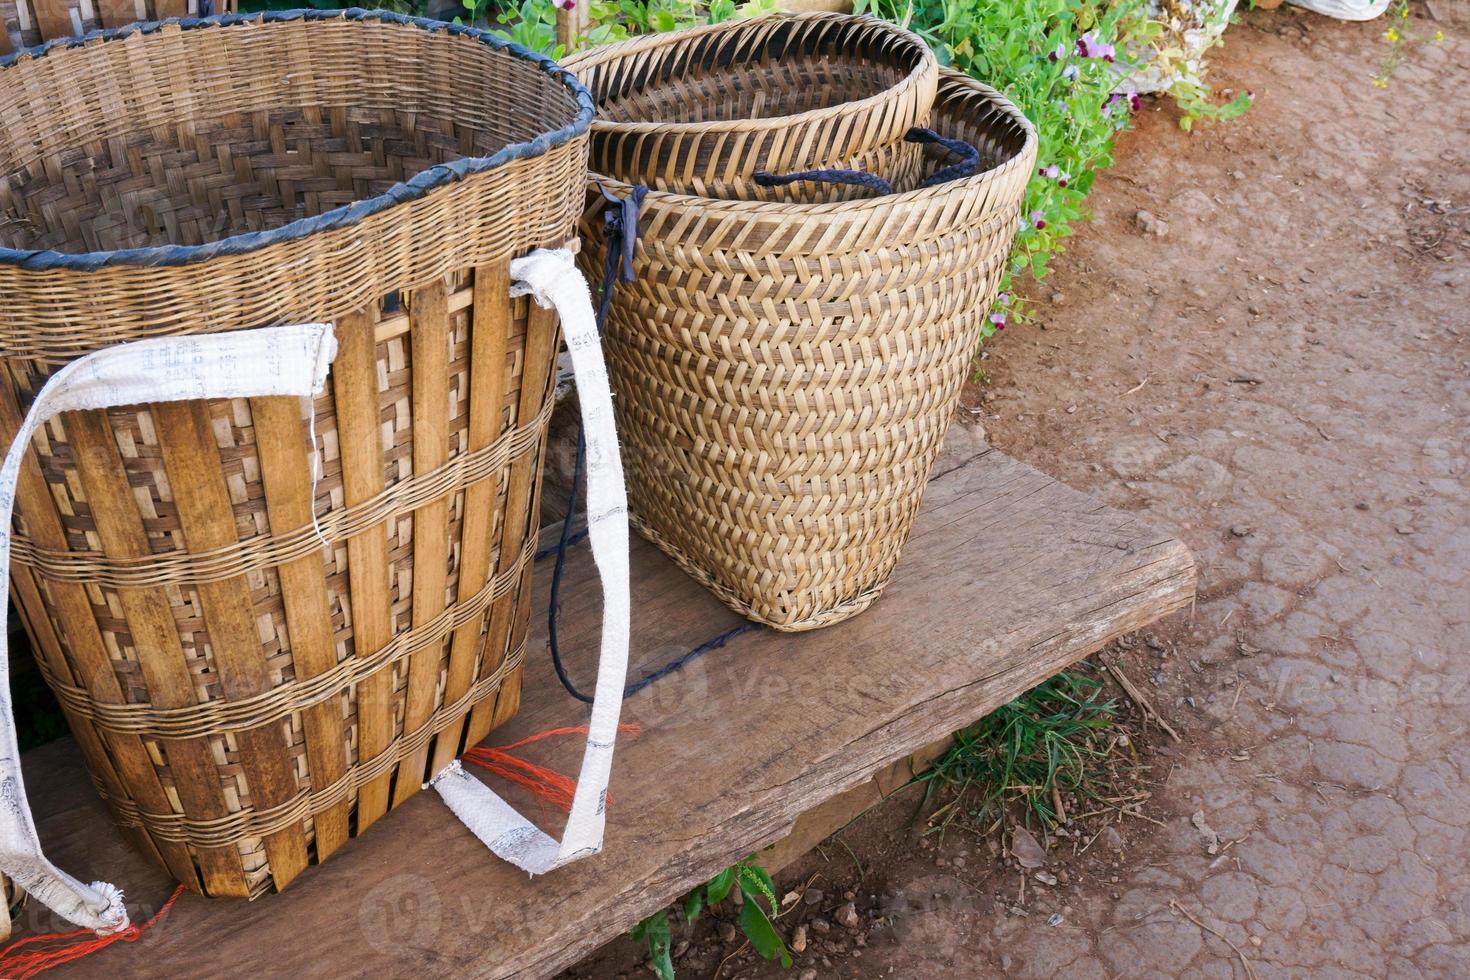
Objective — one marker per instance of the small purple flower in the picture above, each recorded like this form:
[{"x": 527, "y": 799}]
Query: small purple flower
[
  {"x": 1088, "y": 46},
  {"x": 1058, "y": 53},
  {"x": 1004, "y": 299},
  {"x": 1054, "y": 172},
  {"x": 1037, "y": 220},
  {"x": 568, "y": 4},
  {"x": 1070, "y": 73},
  {"x": 999, "y": 319}
]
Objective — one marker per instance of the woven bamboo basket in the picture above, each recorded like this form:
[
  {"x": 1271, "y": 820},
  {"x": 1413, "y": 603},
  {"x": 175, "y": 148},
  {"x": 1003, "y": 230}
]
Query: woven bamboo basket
[
  {"x": 785, "y": 372},
  {"x": 246, "y": 697},
  {"x": 699, "y": 111},
  {"x": 29, "y": 22}
]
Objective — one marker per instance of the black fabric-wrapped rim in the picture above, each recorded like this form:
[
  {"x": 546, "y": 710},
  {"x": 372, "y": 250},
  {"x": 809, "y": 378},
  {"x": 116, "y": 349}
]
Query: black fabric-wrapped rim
[{"x": 412, "y": 189}]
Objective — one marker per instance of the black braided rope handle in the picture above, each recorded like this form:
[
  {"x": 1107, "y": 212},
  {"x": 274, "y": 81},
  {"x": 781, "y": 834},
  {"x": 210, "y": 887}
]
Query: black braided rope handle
[{"x": 967, "y": 166}]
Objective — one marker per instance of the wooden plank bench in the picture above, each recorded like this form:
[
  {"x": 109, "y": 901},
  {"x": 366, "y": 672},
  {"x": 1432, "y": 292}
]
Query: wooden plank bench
[{"x": 1009, "y": 577}]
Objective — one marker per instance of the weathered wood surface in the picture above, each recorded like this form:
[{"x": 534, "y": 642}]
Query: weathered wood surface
[{"x": 1009, "y": 577}]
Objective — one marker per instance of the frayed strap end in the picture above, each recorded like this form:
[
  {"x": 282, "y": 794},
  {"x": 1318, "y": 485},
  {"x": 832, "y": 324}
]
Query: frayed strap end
[
  {"x": 453, "y": 770},
  {"x": 115, "y": 915}
]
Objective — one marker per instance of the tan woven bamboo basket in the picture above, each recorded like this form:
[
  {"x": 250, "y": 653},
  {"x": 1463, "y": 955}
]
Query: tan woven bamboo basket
[
  {"x": 247, "y": 698},
  {"x": 699, "y": 111},
  {"x": 785, "y": 372}
]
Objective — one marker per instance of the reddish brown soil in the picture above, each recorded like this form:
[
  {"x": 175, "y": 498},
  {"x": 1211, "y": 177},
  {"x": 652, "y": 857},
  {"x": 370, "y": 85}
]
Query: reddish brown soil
[{"x": 1284, "y": 380}]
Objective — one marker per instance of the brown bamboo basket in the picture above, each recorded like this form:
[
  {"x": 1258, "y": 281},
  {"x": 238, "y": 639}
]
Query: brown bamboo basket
[
  {"x": 24, "y": 23},
  {"x": 246, "y": 697},
  {"x": 699, "y": 111},
  {"x": 785, "y": 372}
]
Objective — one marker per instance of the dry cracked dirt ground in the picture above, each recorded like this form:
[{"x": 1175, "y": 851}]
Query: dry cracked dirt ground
[{"x": 1283, "y": 379}]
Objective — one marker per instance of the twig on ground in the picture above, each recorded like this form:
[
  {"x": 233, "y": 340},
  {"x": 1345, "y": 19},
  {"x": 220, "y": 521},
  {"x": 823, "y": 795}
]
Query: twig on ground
[
  {"x": 1142, "y": 816},
  {"x": 1137, "y": 386},
  {"x": 1141, "y": 699},
  {"x": 721, "y": 968},
  {"x": 1250, "y": 971}
]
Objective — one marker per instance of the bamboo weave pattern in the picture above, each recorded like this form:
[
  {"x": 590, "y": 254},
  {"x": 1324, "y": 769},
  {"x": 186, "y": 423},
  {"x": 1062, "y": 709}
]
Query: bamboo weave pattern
[
  {"x": 699, "y": 111},
  {"x": 786, "y": 372},
  {"x": 246, "y": 695}
]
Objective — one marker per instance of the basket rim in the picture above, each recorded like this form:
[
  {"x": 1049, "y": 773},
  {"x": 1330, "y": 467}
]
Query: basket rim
[
  {"x": 593, "y": 57},
  {"x": 416, "y": 187},
  {"x": 950, "y": 80}
]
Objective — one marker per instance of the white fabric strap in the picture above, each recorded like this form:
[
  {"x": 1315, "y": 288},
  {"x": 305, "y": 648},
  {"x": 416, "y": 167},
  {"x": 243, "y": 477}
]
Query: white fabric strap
[
  {"x": 290, "y": 360},
  {"x": 551, "y": 278},
  {"x": 1345, "y": 9}
]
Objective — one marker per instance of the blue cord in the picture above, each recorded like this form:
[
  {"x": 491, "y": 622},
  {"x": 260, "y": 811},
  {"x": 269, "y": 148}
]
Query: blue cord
[
  {"x": 620, "y": 225},
  {"x": 968, "y": 166}
]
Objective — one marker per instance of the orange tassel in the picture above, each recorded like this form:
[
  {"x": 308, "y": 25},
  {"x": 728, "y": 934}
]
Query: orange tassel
[
  {"x": 53, "y": 949},
  {"x": 557, "y": 788}
]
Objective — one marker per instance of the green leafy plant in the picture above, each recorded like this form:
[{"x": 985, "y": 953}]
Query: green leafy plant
[
  {"x": 1060, "y": 61},
  {"x": 1195, "y": 103},
  {"x": 1063, "y": 63},
  {"x": 1047, "y": 739},
  {"x": 534, "y": 25},
  {"x": 758, "y": 892},
  {"x": 1401, "y": 38}
]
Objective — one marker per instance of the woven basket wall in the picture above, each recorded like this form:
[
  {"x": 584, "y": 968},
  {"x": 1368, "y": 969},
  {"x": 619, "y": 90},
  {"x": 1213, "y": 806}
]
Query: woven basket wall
[
  {"x": 785, "y": 372},
  {"x": 247, "y": 697},
  {"x": 24, "y": 23},
  {"x": 698, "y": 111}
]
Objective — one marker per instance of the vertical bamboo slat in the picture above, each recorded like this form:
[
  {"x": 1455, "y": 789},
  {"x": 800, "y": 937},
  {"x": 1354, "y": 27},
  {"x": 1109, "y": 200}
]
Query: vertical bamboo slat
[
  {"x": 285, "y": 472},
  {"x": 111, "y": 760},
  {"x": 429, "y": 319},
  {"x": 115, "y": 13},
  {"x": 543, "y": 333},
  {"x": 53, "y": 18},
  {"x": 207, "y": 518},
  {"x": 489, "y": 332},
  {"x": 156, "y": 642},
  {"x": 355, "y": 385}
]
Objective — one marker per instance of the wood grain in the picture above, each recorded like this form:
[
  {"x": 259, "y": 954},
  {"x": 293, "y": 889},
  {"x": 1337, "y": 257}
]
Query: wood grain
[
  {"x": 355, "y": 385},
  {"x": 543, "y": 334},
  {"x": 207, "y": 519},
  {"x": 158, "y": 649},
  {"x": 1008, "y": 578},
  {"x": 285, "y": 473},
  {"x": 489, "y": 333},
  {"x": 53, "y": 18},
  {"x": 116, "y": 13},
  {"x": 120, "y": 761},
  {"x": 429, "y": 313}
]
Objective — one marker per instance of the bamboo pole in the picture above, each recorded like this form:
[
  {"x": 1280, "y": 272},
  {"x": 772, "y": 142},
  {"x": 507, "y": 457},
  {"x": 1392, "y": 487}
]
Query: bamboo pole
[{"x": 572, "y": 24}]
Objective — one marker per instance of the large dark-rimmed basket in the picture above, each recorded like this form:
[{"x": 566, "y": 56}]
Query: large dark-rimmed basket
[
  {"x": 785, "y": 372},
  {"x": 699, "y": 111},
  {"x": 246, "y": 697}
]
